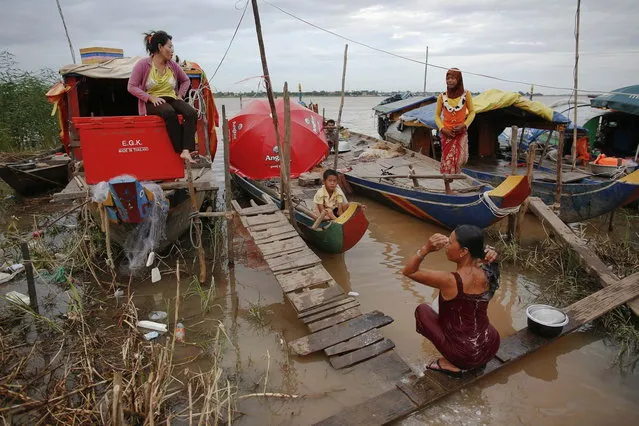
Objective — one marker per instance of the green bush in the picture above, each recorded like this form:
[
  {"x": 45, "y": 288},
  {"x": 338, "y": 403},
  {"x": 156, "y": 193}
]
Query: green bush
[{"x": 26, "y": 123}]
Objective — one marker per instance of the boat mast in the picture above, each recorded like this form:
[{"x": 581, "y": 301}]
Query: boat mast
[
  {"x": 574, "y": 121},
  {"x": 66, "y": 31}
]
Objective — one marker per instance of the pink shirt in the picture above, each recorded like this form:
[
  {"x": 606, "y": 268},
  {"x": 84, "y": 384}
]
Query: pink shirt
[{"x": 140, "y": 74}]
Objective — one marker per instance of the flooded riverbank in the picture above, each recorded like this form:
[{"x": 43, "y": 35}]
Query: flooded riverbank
[{"x": 571, "y": 381}]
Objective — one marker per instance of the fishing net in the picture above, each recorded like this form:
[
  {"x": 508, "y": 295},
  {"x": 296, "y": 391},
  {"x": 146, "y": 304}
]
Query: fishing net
[{"x": 146, "y": 236}]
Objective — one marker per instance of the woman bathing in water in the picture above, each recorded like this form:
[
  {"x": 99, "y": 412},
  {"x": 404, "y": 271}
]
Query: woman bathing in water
[{"x": 460, "y": 331}]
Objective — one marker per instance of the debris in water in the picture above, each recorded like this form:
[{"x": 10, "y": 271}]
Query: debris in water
[
  {"x": 179, "y": 332},
  {"x": 150, "y": 259},
  {"x": 157, "y": 315},
  {"x": 353, "y": 293},
  {"x": 151, "y": 335},
  {"x": 151, "y": 325},
  {"x": 17, "y": 298},
  {"x": 155, "y": 275},
  {"x": 118, "y": 293}
]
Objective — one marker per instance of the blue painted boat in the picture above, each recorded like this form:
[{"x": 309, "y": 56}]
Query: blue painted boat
[
  {"x": 481, "y": 206},
  {"x": 581, "y": 200}
]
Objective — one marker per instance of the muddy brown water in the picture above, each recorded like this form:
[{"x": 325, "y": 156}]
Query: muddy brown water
[{"x": 572, "y": 381}]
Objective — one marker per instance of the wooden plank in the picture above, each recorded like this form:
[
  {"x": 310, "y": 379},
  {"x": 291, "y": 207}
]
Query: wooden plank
[
  {"x": 284, "y": 263},
  {"x": 425, "y": 390},
  {"x": 587, "y": 256},
  {"x": 290, "y": 252},
  {"x": 388, "y": 366},
  {"x": 263, "y": 219},
  {"x": 277, "y": 237},
  {"x": 341, "y": 332},
  {"x": 310, "y": 298},
  {"x": 375, "y": 411},
  {"x": 266, "y": 208},
  {"x": 329, "y": 312},
  {"x": 303, "y": 278},
  {"x": 346, "y": 360},
  {"x": 265, "y": 231},
  {"x": 281, "y": 246},
  {"x": 334, "y": 320},
  {"x": 357, "y": 342},
  {"x": 324, "y": 307}
]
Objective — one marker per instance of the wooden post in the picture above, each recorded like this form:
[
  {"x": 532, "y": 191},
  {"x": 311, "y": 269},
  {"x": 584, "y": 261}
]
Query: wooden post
[
  {"x": 285, "y": 159},
  {"x": 411, "y": 173},
  {"x": 425, "y": 70},
  {"x": 341, "y": 107},
  {"x": 513, "y": 150},
  {"x": 28, "y": 269},
  {"x": 241, "y": 107},
  {"x": 560, "y": 156},
  {"x": 269, "y": 88},
  {"x": 198, "y": 223},
  {"x": 529, "y": 175},
  {"x": 227, "y": 185},
  {"x": 574, "y": 120},
  {"x": 611, "y": 221}
]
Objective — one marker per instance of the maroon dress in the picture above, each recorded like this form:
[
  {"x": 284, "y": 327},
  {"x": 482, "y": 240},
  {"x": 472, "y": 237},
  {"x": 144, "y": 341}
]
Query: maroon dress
[{"x": 461, "y": 332}]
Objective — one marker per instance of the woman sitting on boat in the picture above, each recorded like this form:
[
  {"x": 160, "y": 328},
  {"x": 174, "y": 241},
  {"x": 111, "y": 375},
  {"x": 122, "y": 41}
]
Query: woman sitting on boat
[
  {"x": 160, "y": 85},
  {"x": 460, "y": 331},
  {"x": 456, "y": 104}
]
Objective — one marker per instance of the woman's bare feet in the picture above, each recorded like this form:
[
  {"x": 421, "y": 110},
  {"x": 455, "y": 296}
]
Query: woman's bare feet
[{"x": 186, "y": 155}]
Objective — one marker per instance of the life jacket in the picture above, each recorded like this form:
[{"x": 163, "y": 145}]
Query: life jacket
[{"x": 603, "y": 160}]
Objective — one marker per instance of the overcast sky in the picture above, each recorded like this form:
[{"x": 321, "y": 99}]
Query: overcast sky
[{"x": 525, "y": 40}]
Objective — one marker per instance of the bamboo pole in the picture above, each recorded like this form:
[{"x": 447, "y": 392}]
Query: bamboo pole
[
  {"x": 425, "y": 70},
  {"x": 66, "y": 31},
  {"x": 285, "y": 159},
  {"x": 341, "y": 107},
  {"x": 269, "y": 88},
  {"x": 560, "y": 156},
  {"x": 227, "y": 186},
  {"x": 513, "y": 150},
  {"x": 198, "y": 223},
  {"x": 28, "y": 269},
  {"x": 574, "y": 121},
  {"x": 529, "y": 175}
]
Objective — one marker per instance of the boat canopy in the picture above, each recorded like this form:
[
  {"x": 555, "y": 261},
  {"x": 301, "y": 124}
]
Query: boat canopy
[
  {"x": 119, "y": 68},
  {"x": 392, "y": 107},
  {"x": 624, "y": 99},
  {"x": 487, "y": 101}
]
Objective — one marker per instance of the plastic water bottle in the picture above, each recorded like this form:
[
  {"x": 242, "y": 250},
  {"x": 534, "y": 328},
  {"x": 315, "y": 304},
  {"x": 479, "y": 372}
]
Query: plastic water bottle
[{"x": 179, "y": 332}]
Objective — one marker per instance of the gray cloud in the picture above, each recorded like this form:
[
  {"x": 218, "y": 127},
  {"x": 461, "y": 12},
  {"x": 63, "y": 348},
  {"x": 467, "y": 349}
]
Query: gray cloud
[{"x": 526, "y": 40}]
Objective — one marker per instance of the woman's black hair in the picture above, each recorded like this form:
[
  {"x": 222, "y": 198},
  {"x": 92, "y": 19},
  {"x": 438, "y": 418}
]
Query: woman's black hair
[
  {"x": 472, "y": 238},
  {"x": 154, "y": 39},
  {"x": 329, "y": 172}
]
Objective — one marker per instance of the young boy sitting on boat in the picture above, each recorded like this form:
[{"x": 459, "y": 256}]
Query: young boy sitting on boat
[{"x": 330, "y": 201}]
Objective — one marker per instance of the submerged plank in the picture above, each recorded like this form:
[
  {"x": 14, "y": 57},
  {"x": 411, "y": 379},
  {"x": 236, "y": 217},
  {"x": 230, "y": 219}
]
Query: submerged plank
[
  {"x": 375, "y": 411},
  {"x": 310, "y": 298},
  {"x": 330, "y": 312},
  {"x": 303, "y": 278},
  {"x": 321, "y": 308},
  {"x": 346, "y": 360},
  {"x": 355, "y": 343},
  {"x": 333, "y": 320},
  {"x": 339, "y": 333}
]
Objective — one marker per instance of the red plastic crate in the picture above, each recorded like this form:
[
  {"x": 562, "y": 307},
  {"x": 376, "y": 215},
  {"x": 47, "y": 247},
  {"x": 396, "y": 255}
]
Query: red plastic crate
[{"x": 138, "y": 146}]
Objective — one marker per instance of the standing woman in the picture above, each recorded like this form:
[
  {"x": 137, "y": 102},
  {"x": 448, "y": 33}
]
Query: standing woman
[
  {"x": 160, "y": 85},
  {"x": 458, "y": 110}
]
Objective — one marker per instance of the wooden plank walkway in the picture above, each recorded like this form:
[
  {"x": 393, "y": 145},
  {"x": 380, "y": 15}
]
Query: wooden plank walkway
[
  {"x": 413, "y": 393},
  {"x": 336, "y": 323},
  {"x": 587, "y": 256}
]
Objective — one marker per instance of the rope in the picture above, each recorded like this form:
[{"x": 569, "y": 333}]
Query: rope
[
  {"x": 497, "y": 211},
  {"x": 232, "y": 38}
]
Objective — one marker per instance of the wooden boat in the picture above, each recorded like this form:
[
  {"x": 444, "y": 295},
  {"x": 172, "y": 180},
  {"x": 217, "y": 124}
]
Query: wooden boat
[
  {"x": 388, "y": 181},
  {"x": 37, "y": 175},
  {"x": 336, "y": 236},
  {"x": 135, "y": 184},
  {"x": 582, "y": 197}
]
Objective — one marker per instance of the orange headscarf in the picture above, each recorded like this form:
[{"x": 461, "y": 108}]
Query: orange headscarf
[{"x": 458, "y": 90}]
